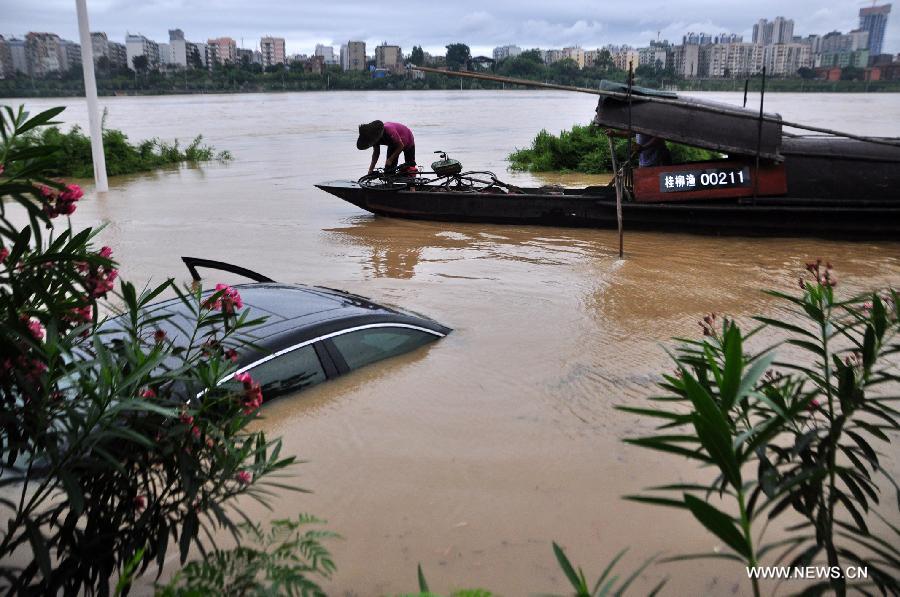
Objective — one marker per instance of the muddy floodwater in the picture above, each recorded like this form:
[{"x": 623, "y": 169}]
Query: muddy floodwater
[{"x": 472, "y": 455}]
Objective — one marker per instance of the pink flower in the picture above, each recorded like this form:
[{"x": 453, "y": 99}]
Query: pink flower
[
  {"x": 105, "y": 252},
  {"x": 36, "y": 329},
  {"x": 4, "y": 253},
  {"x": 186, "y": 419},
  {"x": 44, "y": 190},
  {"x": 148, "y": 393},
  {"x": 243, "y": 477},
  {"x": 159, "y": 336},
  {"x": 195, "y": 431},
  {"x": 82, "y": 314},
  {"x": 813, "y": 405},
  {"x": 244, "y": 378},
  {"x": 2, "y": 169},
  {"x": 232, "y": 355},
  {"x": 228, "y": 299},
  {"x": 72, "y": 193},
  {"x": 252, "y": 399}
]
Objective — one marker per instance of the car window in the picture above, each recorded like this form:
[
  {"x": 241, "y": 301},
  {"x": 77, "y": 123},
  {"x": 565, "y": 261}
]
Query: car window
[
  {"x": 366, "y": 346},
  {"x": 289, "y": 372}
]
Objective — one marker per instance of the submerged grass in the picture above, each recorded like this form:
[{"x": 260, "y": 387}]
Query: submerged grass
[
  {"x": 73, "y": 157},
  {"x": 586, "y": 149}
]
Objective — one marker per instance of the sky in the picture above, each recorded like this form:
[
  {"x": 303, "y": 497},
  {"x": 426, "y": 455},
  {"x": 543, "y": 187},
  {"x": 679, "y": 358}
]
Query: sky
[{"x": 481, "y": 24}]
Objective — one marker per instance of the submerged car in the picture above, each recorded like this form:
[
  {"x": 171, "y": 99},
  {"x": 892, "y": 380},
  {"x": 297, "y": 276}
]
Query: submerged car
[{"x": 311, "y": 333}]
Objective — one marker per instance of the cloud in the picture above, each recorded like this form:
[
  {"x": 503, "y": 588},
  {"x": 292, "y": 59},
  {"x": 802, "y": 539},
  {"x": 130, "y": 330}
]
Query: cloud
[{"x": 433, "y": 25}]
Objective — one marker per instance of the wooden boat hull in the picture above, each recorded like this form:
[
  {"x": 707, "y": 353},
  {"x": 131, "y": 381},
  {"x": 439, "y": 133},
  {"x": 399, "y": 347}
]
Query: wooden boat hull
[{"x": 861, "y": 219}]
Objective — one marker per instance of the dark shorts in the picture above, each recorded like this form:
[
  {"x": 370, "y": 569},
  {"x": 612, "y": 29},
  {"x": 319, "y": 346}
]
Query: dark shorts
[{"x": 409, "y": 153}]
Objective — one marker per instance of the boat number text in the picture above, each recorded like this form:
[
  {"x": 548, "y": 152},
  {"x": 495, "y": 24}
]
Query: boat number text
[{"x": 697, "y": 180}]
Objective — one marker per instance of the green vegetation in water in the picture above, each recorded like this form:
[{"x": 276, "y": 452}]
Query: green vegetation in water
[
  {"x": 586, "y": 149},
  {"x": 73, "y": 156}
]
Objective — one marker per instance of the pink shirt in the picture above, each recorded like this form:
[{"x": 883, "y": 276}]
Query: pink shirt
[{"x": 399, "y": 133}]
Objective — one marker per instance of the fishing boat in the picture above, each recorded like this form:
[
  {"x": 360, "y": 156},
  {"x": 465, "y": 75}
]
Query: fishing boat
[{"x": 767, "y": 182}]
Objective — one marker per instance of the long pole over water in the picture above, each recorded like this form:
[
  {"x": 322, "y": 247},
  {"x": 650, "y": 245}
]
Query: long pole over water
[
  {"x": 738, "y": 112},
  {"x": 90, "y": 93}
]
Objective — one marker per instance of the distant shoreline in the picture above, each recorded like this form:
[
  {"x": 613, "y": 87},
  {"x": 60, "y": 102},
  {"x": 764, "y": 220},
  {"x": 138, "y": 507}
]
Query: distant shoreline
[
  {"x": 237, "y": 80},
  {"x": 772, "y": 86}
]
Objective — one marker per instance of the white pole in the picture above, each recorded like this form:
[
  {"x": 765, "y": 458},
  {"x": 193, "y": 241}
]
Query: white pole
[{"x": 90, "y": 92}]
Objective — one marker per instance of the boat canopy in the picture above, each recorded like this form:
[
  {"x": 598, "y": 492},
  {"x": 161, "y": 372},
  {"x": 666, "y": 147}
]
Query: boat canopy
[{"x": 701, "y": 123}]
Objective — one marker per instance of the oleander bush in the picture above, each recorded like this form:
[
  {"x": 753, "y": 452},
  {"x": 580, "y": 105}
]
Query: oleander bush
[
  {"x": 117, "y": 445},
  {"x": 795, "y": 434}
]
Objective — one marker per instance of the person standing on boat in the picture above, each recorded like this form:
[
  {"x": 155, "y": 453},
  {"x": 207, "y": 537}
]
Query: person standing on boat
[
  {"x": 651, "y": 151},
  {"x": 397, "y": 137}
]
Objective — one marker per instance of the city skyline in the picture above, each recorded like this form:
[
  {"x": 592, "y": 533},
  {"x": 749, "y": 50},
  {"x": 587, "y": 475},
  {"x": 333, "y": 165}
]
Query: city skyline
[{"x": 524, "y": 24}]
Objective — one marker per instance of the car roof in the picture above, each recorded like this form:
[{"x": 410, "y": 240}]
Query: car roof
[{"x": 295, "y": 313}]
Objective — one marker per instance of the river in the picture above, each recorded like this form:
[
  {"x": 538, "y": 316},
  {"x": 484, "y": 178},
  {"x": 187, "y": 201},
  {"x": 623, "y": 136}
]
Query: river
[{"x": 472, "y": 455}]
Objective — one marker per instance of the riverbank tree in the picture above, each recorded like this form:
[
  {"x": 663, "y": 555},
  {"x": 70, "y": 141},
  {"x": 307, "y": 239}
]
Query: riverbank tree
[{"x": 252, "y": 78}]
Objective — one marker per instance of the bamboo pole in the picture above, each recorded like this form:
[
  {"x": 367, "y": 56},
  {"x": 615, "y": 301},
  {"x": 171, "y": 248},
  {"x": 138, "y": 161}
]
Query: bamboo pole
[
  {"x": 762, "y": 99},
  {"x": 737, "y": 112},
  {"x": 618, "y": 181}
]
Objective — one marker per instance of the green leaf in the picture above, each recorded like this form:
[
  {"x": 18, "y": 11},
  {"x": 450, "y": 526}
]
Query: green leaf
[
  {"x": 719, "y": 524},
  {"x": 656, "y": 501},
  {"x": 868, "y": 352},
  {"x": 719, "y": 447},
  {"x": 786, "y": 326},
  {"x": 423, "y": 584},
  {"x": 73, "y": 491},
  {"x": 39, "y": 548},
  {"x": 757, "y": 369},
  {"x": 576, "y": 581},
  {"x": 41, "y": 119},
  {"x": 734, "y": 366}
]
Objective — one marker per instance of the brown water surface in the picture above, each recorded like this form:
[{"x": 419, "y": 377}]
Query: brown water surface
[{"x": 469, "y": 456}]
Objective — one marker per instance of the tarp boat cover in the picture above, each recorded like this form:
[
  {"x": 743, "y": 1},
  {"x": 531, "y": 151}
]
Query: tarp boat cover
[{"x": 710, "y": 125}]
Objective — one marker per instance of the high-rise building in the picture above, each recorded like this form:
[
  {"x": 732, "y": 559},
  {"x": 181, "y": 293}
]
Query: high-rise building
[
  {"x": 836, "y": 41},
  {"x": 786, "y": 59},
  {"x": 138, "y": 45},
  {"x": 551, "y": 56},
  {"x": 503, "y": 52},
  {"x": 782, "y": 30},
  {"x": 118, "y": 55},
  {"x": 221, "y": 50},
  {"x": 165, "y": 53},
  {"x": 762, "y": 32},
  {"x": 327, "y": 54},
  {"x": 99, "y": 45},
  {"x": 779, "y": 31},
  {"x": 356, "y": 55},
  {"x": 6, "y": 66},
  {"x": 576, "y": 54},
  {"x": 195, "y": 54},
  {"x": 43, "y": 52},
  {"x": 687, "y": 60},
  {"x": 177, "y": 48},
  {"x": 18, "y": 54},
  {"x": 654, "y": 55},
  {"x": 389, "y": 57},
  {"x": 69, "y": 55},
  {"x": 272, "y": 50},
  {"x": 874, "y": 20}
]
